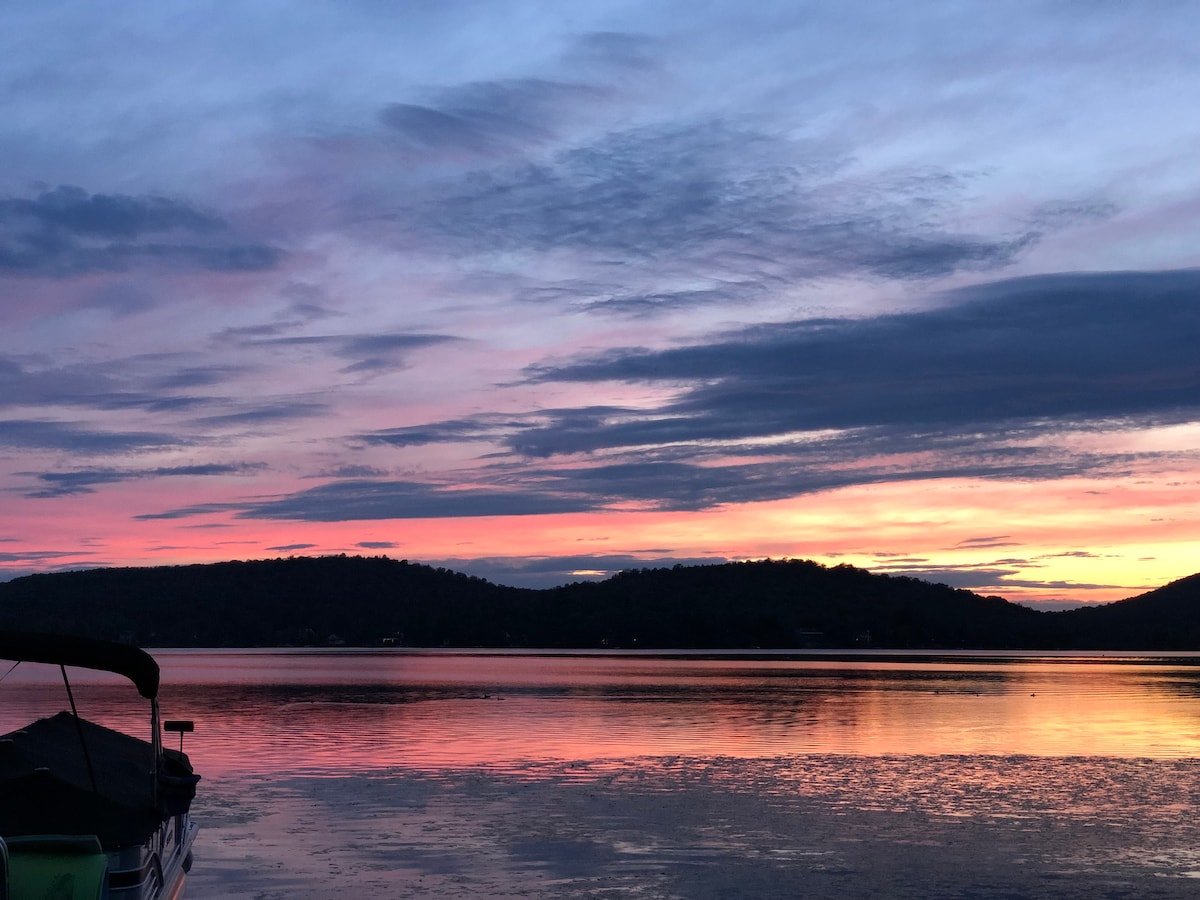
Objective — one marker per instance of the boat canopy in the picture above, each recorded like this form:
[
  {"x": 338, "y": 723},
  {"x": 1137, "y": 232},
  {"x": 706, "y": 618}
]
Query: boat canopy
[
  {"x": 46, "y": 782},
  {"x": 70, "y": 650}
]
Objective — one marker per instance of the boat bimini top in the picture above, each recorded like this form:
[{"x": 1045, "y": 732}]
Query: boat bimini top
[{"x": 65, "y": 774}]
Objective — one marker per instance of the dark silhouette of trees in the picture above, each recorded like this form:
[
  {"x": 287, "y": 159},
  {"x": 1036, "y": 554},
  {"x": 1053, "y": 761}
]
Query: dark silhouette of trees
[{"x": 774, "y": 604}]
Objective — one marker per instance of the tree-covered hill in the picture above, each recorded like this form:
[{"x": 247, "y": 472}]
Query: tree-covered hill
[
  {"x": 262, "y": 603},
  {"x": 1167, "y": 618},
  {"x": 781, "y": 604},
  {"x": 771, "y": 605}
]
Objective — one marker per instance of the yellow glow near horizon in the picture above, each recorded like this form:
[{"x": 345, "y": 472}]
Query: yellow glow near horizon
[{"x": 1081, "y": 540}]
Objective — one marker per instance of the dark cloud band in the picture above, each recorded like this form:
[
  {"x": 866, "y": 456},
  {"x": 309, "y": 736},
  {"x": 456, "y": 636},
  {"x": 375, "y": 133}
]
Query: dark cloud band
[{"x": 67, "y": 231}]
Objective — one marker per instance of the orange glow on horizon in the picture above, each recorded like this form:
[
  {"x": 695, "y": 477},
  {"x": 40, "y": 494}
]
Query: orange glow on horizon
[{"x": 1074, "y": 539}]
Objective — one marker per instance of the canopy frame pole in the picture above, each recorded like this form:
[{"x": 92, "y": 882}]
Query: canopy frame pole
[{"x": 87, "y": 757}]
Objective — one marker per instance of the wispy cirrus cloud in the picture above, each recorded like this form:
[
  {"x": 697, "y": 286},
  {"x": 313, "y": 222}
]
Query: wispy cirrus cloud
[
  {"x": 709, "y": 212},
  {"x": 494, "y": 118}
]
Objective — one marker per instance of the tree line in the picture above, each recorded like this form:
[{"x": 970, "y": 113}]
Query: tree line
[{"x": 772, "y": 604}]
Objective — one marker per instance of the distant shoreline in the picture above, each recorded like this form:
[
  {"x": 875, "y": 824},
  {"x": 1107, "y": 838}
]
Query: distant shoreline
[
  {"x": 831, "y": 654},
  {"x": 789, "y": 606}
]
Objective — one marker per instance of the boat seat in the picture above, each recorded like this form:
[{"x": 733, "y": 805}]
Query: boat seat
[{"x": 66, "y": 866}]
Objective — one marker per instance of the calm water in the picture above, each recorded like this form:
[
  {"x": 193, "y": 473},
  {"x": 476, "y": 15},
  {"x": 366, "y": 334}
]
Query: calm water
[
  {"x": 318, "y": 711},
  {"x": 397, "y": 774}
]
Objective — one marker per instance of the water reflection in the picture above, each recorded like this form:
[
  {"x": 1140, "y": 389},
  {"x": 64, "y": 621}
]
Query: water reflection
[{"x": 309, "y": 711}]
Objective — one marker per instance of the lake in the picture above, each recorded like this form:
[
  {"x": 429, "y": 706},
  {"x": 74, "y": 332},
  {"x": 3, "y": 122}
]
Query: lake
[{"x": 354, "y": 758}]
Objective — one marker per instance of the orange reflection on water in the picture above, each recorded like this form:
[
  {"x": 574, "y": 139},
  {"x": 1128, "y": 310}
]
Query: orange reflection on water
[{"x": 321, "y": 711}]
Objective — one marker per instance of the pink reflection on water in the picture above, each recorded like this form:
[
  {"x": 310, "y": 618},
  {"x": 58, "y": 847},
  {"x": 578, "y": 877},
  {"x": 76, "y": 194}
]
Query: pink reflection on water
[{"x": 333, "y": 712}]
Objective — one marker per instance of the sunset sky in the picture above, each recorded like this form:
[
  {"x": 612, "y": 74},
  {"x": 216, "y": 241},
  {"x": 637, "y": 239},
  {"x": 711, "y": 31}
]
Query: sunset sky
[{"x": 543, "y": 291}]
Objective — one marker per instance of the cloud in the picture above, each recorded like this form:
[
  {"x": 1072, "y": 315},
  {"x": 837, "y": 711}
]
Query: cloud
[
  {"x": 727, "y": 205},
  {"x": 121, "y": 298},
  {"x": 72, "y": 384},
  {"x": 1002, "y": 357},
  {"x": 82, "y": 481},
  {"x": 356, "y": 499},
  {"x": 197, "y": 376},
  {"x": 981, "y": 543},
  {"x": 35, "y": 555},
  {"x": 508, "y": 490},
  {"x": 982, "y": 387},
  {"x": 365, "y": 352},
  {"x": 989, "y": 579},
  {"x": 152, "y": 382},
  {"x": 683, "y": 486},
  {"x": 551, "y": 571},
  {"x": 67, "y": 484},
  {"x": 160, "y": 384},
  {"x": 18, "y": 564},
  {"x": 489, "y": 118},
  {"x": 482, "y": 427},
  {"x": 264, "y": 414},
  {"x": 195, "y": 509},
  {"x": 612, "y": 51},
  {"x": 352, "y": 471},
  {"x": 67, "y": 231},
  {"x": 360, "y": 499},
  {"x": 75, "y": 437},
  {"x": 291, "y": 548},
  {"x": 385, "y": 352},
  {"x": 72, "y": 210}
]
